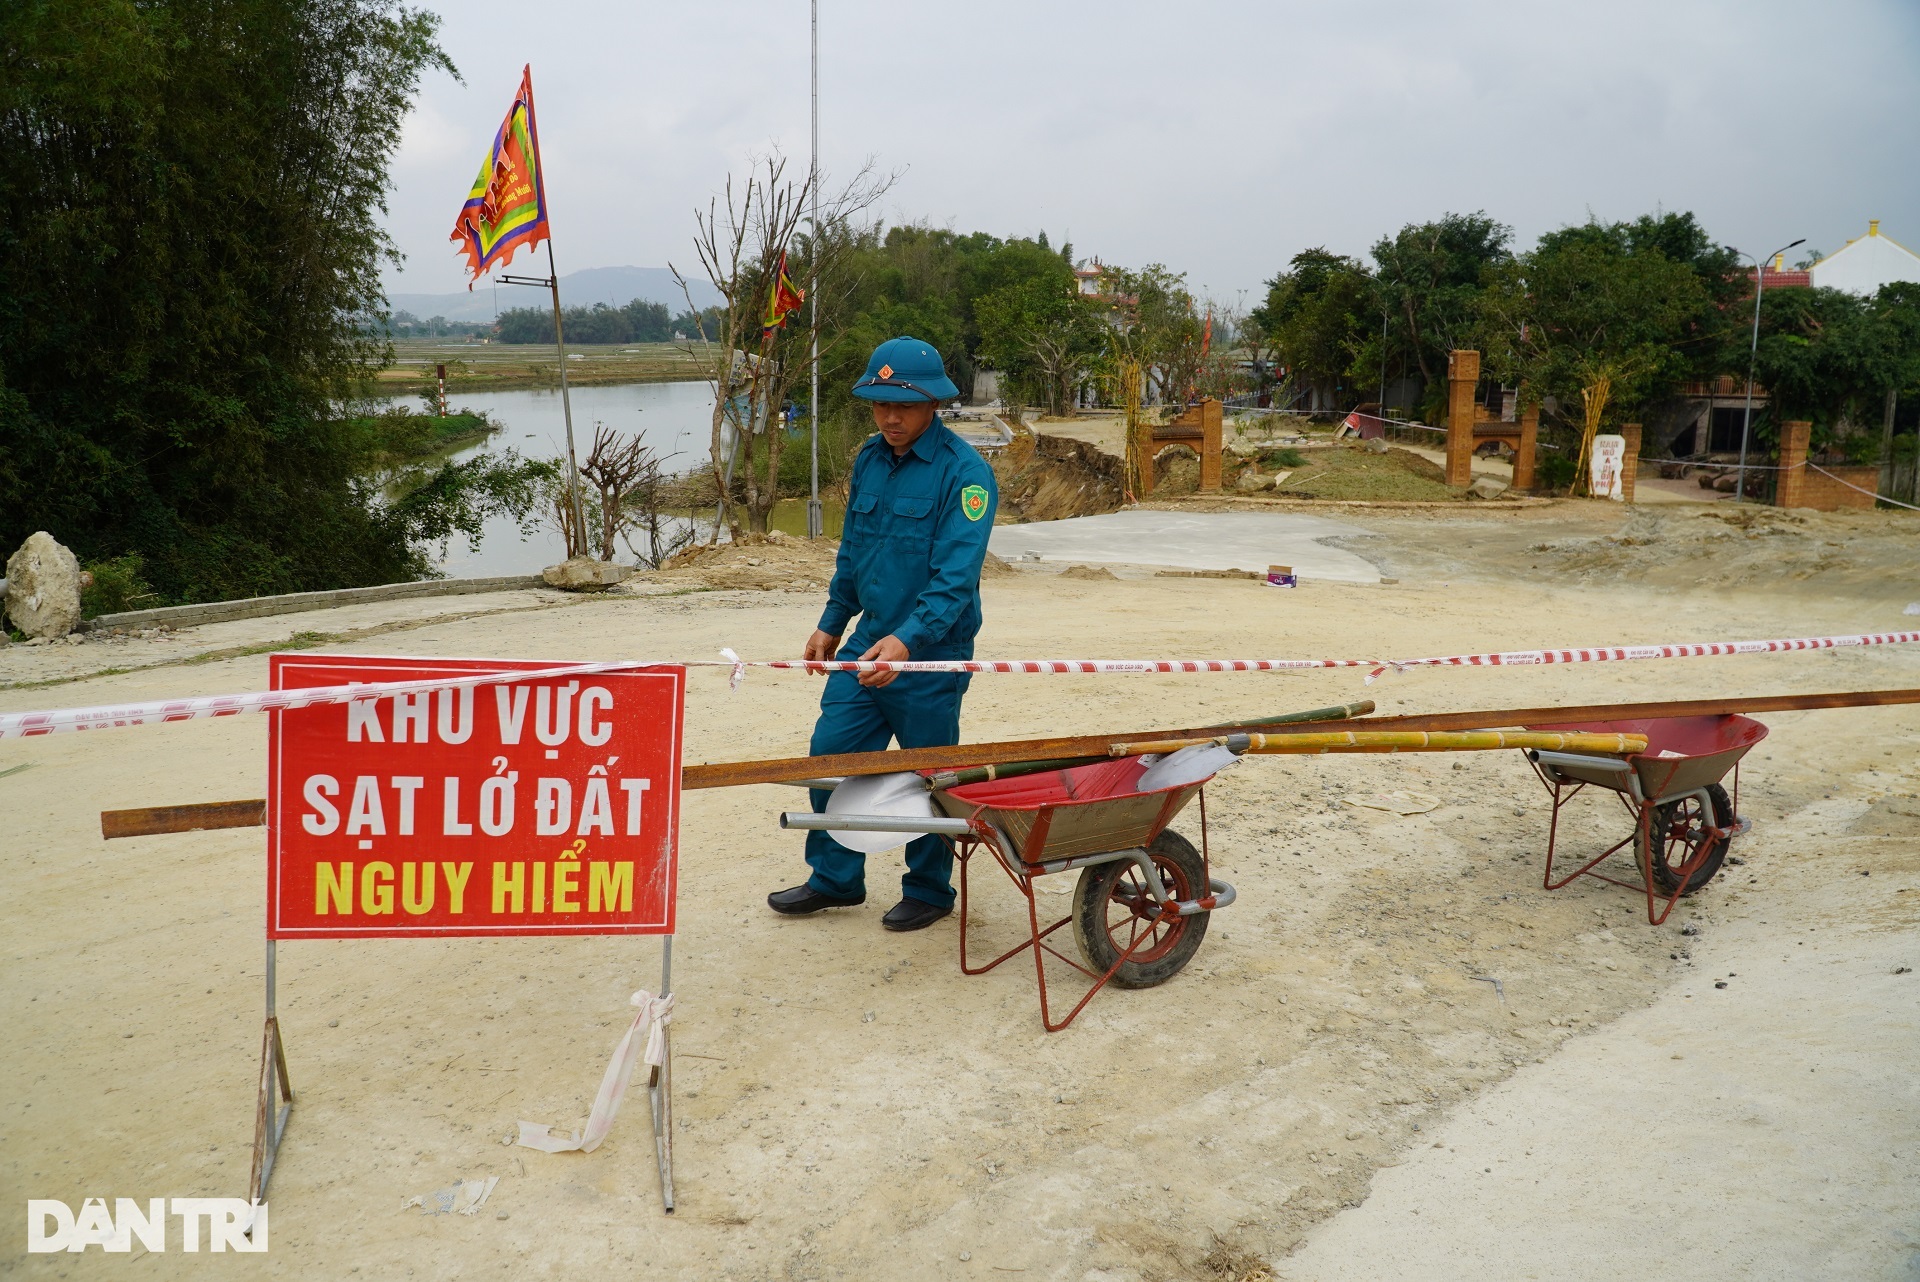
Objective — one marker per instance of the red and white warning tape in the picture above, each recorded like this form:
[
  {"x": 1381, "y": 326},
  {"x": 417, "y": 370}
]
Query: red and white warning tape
[{"x": 20, "y": 725}]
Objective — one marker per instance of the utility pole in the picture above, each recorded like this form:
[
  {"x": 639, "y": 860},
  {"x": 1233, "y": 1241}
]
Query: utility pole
[
  {"x": 816, "y": 522},
  {"x": 1753, "y": 355},
  {"x": 1383, "y": 370},
  {"x": 1886, "y": 441}
]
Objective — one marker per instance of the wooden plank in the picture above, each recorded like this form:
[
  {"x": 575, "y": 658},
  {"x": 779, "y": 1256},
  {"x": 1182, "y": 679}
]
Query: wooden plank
[{"x": 160, "y": 819}]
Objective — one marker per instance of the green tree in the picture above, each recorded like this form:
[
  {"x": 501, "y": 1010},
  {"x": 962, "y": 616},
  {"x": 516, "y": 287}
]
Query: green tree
[
  {"x": 190, "y": 256},
  {"x": 1157, "y": 324},
  {"x": 1034, "y": 326},
  {"x": 1831, "y": 357},
  {"x": 1594, "y": 318},
  {"x": 1319, "y": 316},
  {"x": 638, "y": 322},
  {"x": 1429, "y": 279}
]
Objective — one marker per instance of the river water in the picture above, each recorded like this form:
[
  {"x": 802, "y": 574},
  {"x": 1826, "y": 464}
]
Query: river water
[{"x": 675, "y": 420}]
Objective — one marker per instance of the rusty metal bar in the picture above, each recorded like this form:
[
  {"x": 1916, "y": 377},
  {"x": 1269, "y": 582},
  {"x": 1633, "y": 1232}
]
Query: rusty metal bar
[{"x": 159, "y": 819}]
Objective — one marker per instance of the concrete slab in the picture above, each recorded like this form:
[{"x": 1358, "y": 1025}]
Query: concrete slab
[
  {"x": 1192, "y": 541},
  {"x": 1757, "y": 1121}
]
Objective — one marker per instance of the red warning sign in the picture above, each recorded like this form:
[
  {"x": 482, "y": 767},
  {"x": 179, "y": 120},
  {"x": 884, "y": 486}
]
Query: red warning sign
[{"x": 543, "y": 807}]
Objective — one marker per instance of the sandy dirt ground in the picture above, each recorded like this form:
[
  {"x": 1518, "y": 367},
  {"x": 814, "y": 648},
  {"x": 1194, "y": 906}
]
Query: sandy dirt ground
[{"x": 850, "y": 1106}]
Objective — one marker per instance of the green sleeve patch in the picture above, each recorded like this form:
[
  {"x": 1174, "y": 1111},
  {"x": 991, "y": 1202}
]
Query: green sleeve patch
[{"x": 973, "y": 501}]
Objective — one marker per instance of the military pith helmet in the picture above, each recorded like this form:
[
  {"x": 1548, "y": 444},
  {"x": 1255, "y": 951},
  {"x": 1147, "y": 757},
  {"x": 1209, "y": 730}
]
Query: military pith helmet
[{"x": 905, "y": 369}]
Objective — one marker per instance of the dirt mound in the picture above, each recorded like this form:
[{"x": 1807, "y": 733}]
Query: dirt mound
[
  {"x": 994, "y": 568},
  {"x": 766, "y": 562},
  {"x": 1096, "y": 572},
  {"x": 1176, "y": 470},
  {"x": 1049, "y": 478}
]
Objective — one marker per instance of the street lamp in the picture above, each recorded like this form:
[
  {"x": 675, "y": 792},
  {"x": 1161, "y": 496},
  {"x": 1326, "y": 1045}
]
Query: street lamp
[{"x": 1753, "y": 354}]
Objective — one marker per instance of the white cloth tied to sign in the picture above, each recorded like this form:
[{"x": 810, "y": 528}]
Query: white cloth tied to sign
[{"x": 650, "y": 1020}]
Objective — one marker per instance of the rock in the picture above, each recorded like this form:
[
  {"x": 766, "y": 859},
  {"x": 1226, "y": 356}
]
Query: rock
[
  {"x": 1252, "y": 482},
  {"x": 584, "y": 574},
  {"x": 43, "y": 587},
  {"x": 1486, "y": 487},
  {"x": 1378, "y": 445}
]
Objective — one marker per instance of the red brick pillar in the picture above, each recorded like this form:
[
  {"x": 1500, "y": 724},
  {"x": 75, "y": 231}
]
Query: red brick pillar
[
  {"x": 1463, "y": 375},
  {"x": 1529, "y": 445},
  {"x": 1629, "y": 460},
  {"x": 1209, "y": 445},
  {"x": 1790, "y": 485}
]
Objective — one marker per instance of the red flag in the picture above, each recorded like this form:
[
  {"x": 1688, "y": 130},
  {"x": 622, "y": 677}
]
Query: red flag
[
  {"x": 506, "y": 208},
  {"x": 784, "y": 298}
]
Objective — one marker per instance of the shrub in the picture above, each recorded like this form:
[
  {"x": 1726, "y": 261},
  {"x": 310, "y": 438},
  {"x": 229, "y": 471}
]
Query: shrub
[
  {"x": 117, "y": 585},
  {"x": 1556, "y": 472}
]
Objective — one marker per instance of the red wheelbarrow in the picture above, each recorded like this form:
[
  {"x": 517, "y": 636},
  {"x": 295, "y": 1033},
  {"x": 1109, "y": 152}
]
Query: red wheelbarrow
[
  {"x": 1684, "y": 821},
  {"x": 1144, "y": 895}
]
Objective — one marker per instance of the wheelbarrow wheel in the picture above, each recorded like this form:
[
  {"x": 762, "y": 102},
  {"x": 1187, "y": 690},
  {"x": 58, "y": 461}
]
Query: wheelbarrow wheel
[
  {"x": 1685, "y": 856},
  {"x": 1113, "y": 911}
]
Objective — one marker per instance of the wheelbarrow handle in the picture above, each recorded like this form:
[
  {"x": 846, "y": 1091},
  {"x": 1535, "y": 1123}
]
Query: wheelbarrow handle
[
  {"x": 1546, "y": 758},
  {"x": 809, "y": 821}
]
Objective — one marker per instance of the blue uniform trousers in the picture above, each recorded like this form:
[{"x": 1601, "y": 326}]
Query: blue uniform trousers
[{"x": 921, "y": 710}]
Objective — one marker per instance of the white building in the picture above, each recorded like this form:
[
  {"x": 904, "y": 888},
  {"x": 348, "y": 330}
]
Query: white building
[{"x": 1867, "y": 263}]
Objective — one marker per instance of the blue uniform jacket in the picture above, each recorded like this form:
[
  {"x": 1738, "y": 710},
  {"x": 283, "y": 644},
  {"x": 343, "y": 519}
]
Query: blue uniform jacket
[{"x": 911, "y": 546}]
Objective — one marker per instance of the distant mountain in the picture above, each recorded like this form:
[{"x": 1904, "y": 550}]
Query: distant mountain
[{"x": 613, "y": 285}]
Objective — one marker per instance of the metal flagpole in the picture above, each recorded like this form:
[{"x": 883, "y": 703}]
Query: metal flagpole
[
  {"x": 566, "y": 402},
  {"x": 816, "y": 523}
]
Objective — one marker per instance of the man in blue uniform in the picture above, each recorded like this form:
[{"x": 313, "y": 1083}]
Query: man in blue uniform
[{"x": 919, "y": 510}]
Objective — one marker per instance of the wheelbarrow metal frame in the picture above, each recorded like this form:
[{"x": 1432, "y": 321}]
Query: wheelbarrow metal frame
[
  {"x": 1566, "y": 775},
  {"x": 1078, "y": 836},
  {"x": 1023, "y": 875}
]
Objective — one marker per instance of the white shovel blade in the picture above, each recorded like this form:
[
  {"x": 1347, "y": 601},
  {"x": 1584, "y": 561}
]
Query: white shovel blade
[{"x": 901, "y": 796}]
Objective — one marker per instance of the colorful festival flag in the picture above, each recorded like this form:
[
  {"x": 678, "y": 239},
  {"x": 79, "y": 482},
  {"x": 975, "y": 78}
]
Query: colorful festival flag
[
  {"x": 507, "y": 208},
  {"x": 784, "y": 298}
]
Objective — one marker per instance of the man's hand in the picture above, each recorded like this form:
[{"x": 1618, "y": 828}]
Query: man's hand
[
  {"x": 888, "y": 649},
  {"x": 820, "y": 646}
]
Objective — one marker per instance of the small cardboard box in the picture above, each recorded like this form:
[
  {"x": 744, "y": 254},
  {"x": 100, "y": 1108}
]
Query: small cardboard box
[{"x": 1282, "y": 576}]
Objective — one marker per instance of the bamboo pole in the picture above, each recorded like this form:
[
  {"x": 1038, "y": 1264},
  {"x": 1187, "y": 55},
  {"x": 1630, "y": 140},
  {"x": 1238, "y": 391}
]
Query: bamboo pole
[
  {"x": 1398, "y": 741},
  {"x": 1011, "y": 770}
]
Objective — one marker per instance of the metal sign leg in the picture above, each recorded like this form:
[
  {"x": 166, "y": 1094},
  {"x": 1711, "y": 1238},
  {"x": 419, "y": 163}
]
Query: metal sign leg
[
  {"x": 660, "y": 1087},
  {"x": 270, "y": 1114}
]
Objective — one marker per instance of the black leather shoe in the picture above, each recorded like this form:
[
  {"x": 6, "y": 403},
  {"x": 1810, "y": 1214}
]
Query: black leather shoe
[
  {"x": 798, "y": 901},
  {"x": 911, "y": 914}
]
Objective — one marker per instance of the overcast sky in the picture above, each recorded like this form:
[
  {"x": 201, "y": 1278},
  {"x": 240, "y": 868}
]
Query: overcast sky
[{"x": 1217, "y": 137}]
